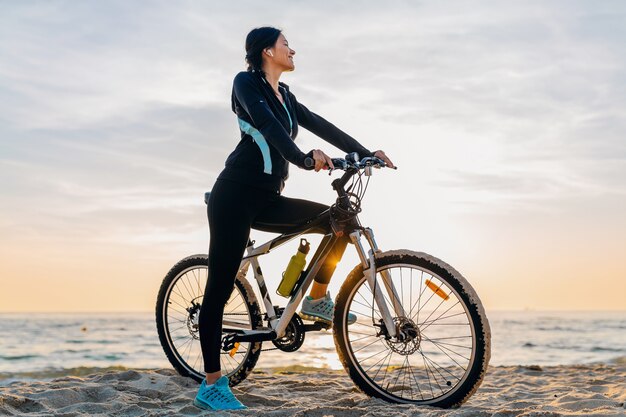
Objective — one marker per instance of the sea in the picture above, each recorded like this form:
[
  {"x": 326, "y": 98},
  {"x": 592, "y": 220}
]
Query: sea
[{"x": 44, "y": 346}]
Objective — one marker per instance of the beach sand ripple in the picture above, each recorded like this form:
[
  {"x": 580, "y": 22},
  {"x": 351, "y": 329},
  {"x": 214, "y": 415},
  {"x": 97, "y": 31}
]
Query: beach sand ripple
[{"x": 584, "y": 390}]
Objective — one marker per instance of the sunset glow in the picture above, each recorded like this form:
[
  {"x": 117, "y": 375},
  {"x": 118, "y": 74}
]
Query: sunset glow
[{"x": 507, "y": 125}]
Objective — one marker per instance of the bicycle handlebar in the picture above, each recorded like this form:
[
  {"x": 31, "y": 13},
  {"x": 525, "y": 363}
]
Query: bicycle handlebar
[{"x": 351, "y": 161}]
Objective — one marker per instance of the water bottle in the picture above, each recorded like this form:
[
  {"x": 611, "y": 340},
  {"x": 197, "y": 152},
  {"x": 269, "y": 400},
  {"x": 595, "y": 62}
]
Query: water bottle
[{"x": 294, "y": 269}]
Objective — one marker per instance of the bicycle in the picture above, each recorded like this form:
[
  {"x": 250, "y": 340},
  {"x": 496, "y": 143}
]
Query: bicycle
[{"x": 421, "y": 335}]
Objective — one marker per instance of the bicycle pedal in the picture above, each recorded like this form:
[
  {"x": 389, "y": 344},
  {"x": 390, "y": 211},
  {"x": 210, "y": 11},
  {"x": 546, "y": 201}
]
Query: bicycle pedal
[
  {"x": 229, "y": 342},
  {"x": 317, "y": 326},
  {"x": 315, "y": 319}
]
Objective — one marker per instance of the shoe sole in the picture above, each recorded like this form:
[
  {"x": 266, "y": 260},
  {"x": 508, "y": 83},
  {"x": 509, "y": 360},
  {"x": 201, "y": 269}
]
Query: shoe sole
[
  {"x": 315, "y": 318},
  {"x": 320, "y": 319},
  {"x": 208, "y": 407},
  {"x": 202, "y": 405}
]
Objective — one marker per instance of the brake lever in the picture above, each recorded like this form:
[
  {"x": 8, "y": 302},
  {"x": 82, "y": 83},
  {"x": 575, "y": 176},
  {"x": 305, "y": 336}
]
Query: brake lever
[{"x": 376, "y": 162}]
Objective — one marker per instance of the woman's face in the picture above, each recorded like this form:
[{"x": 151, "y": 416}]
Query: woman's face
[{"x": 282, "y": 54}]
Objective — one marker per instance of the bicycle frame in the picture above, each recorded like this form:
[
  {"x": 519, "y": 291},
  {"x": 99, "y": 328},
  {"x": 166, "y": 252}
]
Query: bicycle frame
[
  {"x": 368, "y": 261},
  {"x": 278, "y": 325},
  {"x": 251, "y": 259}
]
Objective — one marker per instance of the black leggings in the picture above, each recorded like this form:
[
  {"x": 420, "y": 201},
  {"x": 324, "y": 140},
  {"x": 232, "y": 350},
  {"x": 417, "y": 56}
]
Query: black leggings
[{"x": 233, "y": 209}]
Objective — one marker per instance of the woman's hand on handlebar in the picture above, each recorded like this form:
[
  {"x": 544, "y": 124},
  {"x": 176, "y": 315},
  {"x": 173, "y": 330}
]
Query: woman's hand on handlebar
[
  {"x": 322, "y": 161},
  {"x": 380, "y": 154}
]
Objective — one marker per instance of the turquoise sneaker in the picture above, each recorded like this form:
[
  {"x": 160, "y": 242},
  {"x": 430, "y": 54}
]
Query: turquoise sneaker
[
  {"x": 217, "y": 396},
  {"x": 321, "y": 309}
]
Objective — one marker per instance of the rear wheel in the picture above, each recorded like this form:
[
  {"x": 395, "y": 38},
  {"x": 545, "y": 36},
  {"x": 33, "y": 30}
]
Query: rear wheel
[
  {"x": 443, "y": 353},
  {"x": 177, "y": 310}
]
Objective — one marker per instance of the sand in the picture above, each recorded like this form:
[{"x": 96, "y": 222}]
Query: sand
[{"x": 585, "y": 390}]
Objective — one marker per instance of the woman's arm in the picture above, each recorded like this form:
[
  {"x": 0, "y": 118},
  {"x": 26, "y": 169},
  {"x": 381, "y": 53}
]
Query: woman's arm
[
  {"x": 333, "y": 135},
  {"x": 328, "y": 131},
  {"x": 251, "y": 98}
]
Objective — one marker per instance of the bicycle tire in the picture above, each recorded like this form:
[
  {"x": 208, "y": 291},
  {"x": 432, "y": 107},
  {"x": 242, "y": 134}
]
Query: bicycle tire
[
  {"x": 197, "y": 265},
  {"x": 452, "y": 285}
]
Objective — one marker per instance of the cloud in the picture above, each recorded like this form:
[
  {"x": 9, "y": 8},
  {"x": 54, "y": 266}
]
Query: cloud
[
  {"x": 76, "y": 65},
  {"x": 115, "y": 107},
  {"x": 119, "y": 174}
]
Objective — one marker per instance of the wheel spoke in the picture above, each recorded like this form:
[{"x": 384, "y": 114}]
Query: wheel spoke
[
  {"x": 417, "y": 384},
  {"x": 364, "y": 337},
  {"x": 388, "y": 355},
  {"x": 184, "y": 284},
  {"x": 353, "y": 332},
  {"x": 375, "y": 354},
  {"x": 243, "y": 302},
  {"x": 375, "y": 310},
  {"x": 450, "y": 350},
  {"x": 442, "y": 318},
  {"x": 363, "y": 347},
  {"x": 175, "y": 290},
  {"x": 437, "y": 308},
  {"x": 177, "y": 329},
  {"x": 440, "y": 367},
  {"x": 180, "y": 305}
]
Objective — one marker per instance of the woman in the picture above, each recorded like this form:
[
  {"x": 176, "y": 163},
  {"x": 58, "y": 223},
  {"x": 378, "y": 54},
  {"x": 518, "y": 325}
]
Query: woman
[{"x": 247, "y": 193}]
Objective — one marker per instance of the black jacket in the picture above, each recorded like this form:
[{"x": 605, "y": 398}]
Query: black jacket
[{"x": 267, "y": 137}]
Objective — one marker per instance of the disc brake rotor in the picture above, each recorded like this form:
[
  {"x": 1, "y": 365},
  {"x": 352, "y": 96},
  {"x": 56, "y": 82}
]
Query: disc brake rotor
[
  {"x": 409, "y": 337},
  {"x": 192, "y": 319}
]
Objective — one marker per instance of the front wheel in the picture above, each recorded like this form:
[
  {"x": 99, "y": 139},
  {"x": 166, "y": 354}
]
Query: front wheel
[
  {"x": 440, "y": 358},
  {"x": 177, "y": 311}
]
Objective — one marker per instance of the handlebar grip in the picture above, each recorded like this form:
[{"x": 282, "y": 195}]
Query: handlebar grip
[{"x": 310, "y": 162}]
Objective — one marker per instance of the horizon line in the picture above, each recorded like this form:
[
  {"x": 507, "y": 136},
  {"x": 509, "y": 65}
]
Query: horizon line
[{"x": 529, "y": 310}]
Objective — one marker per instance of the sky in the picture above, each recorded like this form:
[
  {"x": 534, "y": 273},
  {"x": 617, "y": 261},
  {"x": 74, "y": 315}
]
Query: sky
[{"x": 506, "y": 120}]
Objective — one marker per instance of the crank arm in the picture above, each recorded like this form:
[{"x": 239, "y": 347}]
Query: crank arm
[{"x": 231, "y": 339}]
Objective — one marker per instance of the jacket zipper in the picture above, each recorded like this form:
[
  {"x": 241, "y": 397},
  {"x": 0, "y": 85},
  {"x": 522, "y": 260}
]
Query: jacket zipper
[{"x": 281, "y": 104}]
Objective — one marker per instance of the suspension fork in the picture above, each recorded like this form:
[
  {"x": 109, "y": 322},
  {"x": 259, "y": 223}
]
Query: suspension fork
[
  {"x": 368, "y": 261},
  {"x": 391, "y": 289}
]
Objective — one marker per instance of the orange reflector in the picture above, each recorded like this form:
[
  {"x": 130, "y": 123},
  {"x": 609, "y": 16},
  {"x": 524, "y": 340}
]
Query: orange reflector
[
  {"x": 234, "y": 350},
  {"x": 437, "y": 290}
]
